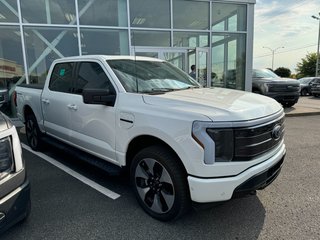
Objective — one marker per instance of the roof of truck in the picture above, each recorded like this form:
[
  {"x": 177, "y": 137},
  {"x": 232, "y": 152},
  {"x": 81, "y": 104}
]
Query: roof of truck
[{"x": 109, "y": 57}]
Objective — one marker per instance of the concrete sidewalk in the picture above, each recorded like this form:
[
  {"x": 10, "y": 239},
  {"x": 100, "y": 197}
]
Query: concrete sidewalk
[{"x": 307, "y": 105}]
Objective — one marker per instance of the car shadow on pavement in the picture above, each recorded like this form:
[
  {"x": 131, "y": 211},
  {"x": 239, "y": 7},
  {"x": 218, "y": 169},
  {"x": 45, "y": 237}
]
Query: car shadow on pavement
[{"x": 236, "y": 219}]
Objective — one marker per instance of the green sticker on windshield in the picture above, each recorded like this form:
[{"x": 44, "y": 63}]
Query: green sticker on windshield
[{"x": 62, "y": 72}]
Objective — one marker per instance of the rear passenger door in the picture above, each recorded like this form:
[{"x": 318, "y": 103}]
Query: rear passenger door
[
  {"x": 55, "y": 101},
  {"x": 93, "y": 126}
]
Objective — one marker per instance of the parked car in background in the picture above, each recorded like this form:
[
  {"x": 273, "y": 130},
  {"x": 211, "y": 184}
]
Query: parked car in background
[
  {"x": 14, "y": 185},
  {"x": 285, "y": 90},
  {"x": 305, "y": 85},
  {"x": 315, "y": 87}
]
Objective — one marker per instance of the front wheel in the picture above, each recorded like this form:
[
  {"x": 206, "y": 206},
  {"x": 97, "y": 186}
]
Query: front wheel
[
  {"x": 304, "y": 92},
  {"x": 288, "y": 104},
  {"x": 160, "y": 183},
  {"x": 33, "y": 132}
]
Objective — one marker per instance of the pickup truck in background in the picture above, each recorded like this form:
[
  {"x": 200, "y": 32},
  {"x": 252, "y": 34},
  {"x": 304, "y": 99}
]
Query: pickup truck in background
[
  {"x": 285, "y": 90},
  {"x": 180, "y": 142}
]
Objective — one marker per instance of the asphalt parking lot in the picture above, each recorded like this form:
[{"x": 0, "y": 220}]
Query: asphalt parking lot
[{"x": 63, "y": 207}]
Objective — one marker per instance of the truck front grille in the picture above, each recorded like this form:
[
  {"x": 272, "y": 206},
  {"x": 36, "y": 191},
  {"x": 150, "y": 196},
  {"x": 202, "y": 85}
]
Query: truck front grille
[
  {"x": 251, "y": 142},
  {"x": 284, "y": 88}
]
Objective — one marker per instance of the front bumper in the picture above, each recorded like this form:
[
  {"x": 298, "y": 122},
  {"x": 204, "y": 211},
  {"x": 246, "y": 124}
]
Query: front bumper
[
  {"x": 283, "y": 97},
  {"x": 224, "y": 188},
  {"x": 15, "y": 206}
]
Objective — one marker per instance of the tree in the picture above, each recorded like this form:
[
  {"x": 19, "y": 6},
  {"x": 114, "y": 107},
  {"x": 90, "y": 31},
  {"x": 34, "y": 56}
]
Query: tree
[
  {"x": 307, "y": 68},
  {"x": 283, "y": 72}
]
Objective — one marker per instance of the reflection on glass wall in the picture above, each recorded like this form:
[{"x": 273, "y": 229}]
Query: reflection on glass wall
[
  {"x": 229, "y": 17},
  {"x": 190, "y": 39},
  {"x": 190, "y": 15},
  {"x": 103, "y": 26},
  {"x": 103, "y": 12},
  {"x": 11, "y": 64},
  {"x": 9, "y": 12},
  {"x": 228, "y": 60},
  {"x": 102, "y": 41},
  {"x": 43, "y": 45},
  {"x": 48, "y": 11},
  {"x": 150, "y": 14},
  {"x": 178, "y": 59},
  {"x": 150, "y": 38}
]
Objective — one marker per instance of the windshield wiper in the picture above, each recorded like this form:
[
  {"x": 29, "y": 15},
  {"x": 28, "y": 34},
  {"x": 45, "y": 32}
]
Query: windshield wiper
[{"x": 163, "y": 89}]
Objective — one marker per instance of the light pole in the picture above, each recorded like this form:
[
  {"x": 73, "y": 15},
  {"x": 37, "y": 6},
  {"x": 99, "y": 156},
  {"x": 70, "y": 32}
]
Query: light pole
[
  {"x": 317, "y": 64},
  {"x": 273, "y": 51}
]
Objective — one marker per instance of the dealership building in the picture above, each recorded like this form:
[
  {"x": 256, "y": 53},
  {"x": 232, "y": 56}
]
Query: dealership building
[{"x": 216, "y": 36}]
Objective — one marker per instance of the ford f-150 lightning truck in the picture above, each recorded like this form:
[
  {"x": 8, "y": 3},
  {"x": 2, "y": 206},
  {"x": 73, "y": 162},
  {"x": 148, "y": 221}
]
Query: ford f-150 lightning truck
[{"x": 180, "y": 142}]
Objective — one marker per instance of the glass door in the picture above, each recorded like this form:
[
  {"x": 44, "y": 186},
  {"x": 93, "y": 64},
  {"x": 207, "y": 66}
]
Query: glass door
[{"x": 202, "y": 66}]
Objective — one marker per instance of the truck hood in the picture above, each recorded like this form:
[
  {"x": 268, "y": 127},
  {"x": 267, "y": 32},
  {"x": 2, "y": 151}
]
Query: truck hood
[{"x": 218, "y": 104}]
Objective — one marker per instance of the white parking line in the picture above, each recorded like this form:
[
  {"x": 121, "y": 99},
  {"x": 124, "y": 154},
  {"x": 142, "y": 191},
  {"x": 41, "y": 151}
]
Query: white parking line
[{"x": 74, "y": 174}]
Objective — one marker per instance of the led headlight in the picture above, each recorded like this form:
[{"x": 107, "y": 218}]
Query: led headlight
[
  {"x": 223, "y": 142},
  {"x": 6, "y": 157},
  {"x": 216, "y": 139}
]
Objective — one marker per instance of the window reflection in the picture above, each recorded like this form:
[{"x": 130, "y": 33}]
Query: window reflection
[
  {"x": 150, "y": 14},
  {"x": 11, "y": 65},
  {"x": 228, "y": 60},
  {"x": 44, "y": 45},
  {"x": 113, "y": 42},
  {"x": 190, "y": 15},
  {"x": 229, "y": 17},
  {"x": 103, "y": 13},
  {"x": 9, "y": 11},
  {"x": 50, "y": 12},
  {"x": 150, "y": 38},
  {"x": 190, "y": 39}
]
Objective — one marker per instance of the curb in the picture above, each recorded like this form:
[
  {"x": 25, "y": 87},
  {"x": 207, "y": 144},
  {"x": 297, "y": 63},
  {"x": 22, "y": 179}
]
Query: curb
[{"x": 301, "y": 114}]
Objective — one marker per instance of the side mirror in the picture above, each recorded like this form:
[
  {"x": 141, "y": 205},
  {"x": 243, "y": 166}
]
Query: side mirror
[{"x": 99, "y": 96}]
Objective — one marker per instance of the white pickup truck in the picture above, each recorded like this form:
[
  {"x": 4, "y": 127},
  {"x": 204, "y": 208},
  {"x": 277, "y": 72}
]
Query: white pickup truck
[{"x": 181, "y": 143}]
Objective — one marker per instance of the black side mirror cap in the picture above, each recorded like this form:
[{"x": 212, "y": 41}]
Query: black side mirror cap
[{"x": 99, "y": 96}]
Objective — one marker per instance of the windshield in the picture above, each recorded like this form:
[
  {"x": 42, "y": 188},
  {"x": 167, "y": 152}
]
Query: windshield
[
  {"x": 150, "y": 76},
  {"x": 264, "y": 73}
]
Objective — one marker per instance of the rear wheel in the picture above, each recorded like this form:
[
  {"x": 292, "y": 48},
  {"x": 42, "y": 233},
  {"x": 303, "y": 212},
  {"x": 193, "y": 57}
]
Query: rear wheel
[
  {"x": 159, "y": 183},
  {"x": 33, "y": 132}
]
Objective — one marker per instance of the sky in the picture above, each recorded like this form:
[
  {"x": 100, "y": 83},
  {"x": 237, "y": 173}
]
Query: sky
[{"x": 287, "y": 24}]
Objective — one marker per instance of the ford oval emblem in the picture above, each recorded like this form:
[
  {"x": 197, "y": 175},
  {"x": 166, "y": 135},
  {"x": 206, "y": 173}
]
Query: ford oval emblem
[{"x": 276, "y": 132}]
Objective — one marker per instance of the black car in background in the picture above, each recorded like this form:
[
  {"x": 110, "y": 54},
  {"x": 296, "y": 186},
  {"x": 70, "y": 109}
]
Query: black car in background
[
  {"x": 315, "y": 87},
  {"x": 305, "y": 85},
  {"x": 285, "y": 90}
]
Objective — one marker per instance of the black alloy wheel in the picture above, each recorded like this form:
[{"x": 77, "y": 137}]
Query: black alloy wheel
[
  {"x": 159, "y": 183},
  {"x": 33, "y": 132}
]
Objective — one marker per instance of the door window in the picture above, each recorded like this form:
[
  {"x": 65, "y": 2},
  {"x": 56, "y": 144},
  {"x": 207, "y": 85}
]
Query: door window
[
  {"x": 61, "y": 77},
  {"x": 91, "y": 75}
]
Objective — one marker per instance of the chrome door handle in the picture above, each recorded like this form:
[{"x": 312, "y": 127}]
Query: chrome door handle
[
  {"x": 72, "y": 106},
  {"x": 45, "y": 101}
]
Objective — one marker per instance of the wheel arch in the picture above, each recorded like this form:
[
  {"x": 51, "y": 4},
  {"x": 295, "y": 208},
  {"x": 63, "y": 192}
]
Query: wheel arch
[
  {"x": 27, "y": 110},
  {"x": 143, "y": 141}
]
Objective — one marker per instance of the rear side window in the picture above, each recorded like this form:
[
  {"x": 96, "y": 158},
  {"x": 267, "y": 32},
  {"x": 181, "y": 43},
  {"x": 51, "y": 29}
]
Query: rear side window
[
  {"x": 61, "y": 77},
  {"x": 92, "y": 76}
]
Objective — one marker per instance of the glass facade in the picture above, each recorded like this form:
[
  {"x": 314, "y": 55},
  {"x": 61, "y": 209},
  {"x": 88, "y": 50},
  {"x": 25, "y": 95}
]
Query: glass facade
[{"x": 211, "y": 34}]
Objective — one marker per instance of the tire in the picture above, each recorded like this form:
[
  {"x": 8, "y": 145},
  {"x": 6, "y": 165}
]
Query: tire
[
  {"x": 287, "y": 105},
  {"x": 33, "y": 133},
  {"x": 160, "y": 183},
  {"x": 304, "y": 92}
]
